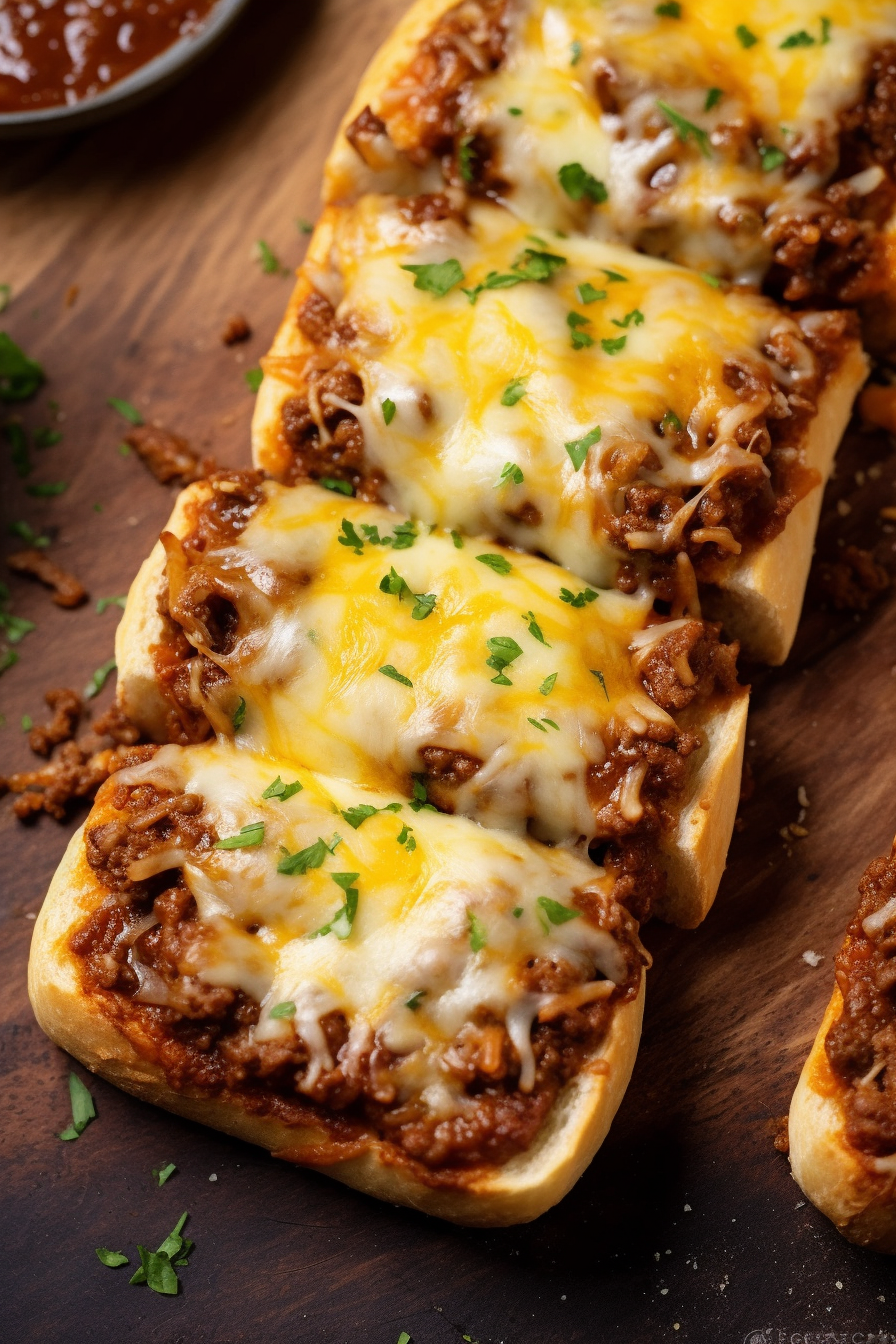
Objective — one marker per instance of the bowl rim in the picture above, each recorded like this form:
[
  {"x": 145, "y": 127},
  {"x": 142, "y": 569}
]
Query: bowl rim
[{"x": 164, "y": 66}]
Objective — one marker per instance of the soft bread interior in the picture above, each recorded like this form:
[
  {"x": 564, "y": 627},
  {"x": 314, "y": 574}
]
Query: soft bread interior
[
  {"x": 694, "y": 854},
  {"x": 515, "y": 1193},
  {"x": 840, "y": 1181}
]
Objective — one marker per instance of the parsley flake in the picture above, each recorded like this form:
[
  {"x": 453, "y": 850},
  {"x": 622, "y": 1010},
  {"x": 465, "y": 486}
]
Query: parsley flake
[
  {"x": 15, "y": 628},
  {"x": 99, "y": 679},
  {"x": 710, "y": 279},
  {"x": 600, "y": 677},
  {"x": 551, "y": 724},
  {"x": 112, "y": 1259},
  {"x": 540, "y": 726},
  {"x": 437, "y": 277},
  {"x": 466, "y": 159},
  {"x": 126, "y": 409},
  {"x": 510, "y": 474},
  {"x": 20, "y": 377},
  {"x": 304, "y": 226},
  {"x": 535, "y": 629},
  {"x": 342, "y": 921},
  {"x": 254, "y": 378},
  {"x": 579, "y": 339},
  {"x": 552, "y": 912},
  {"x": 825, "y": 30},
  {"x": 282, "y": 791},
  {"x": 104, "y": 602},
  {"x": 349, "y": 537},
  {"x": 499, "y": 563},
  {"x": 798, "y": 39},
  {"x": 670, "y": 422},
  {"x": 238, "y": 717},
  {"x": 686, "y": 130},
  {"x": 338, "y": 487},
  {"x": 478, "y": 932},
  {"x": 613, "y": 345},
  {"x": 286, "y": 1009},
  {"x": 47, "y": 489},
  {"x": 83, "y": 1109},
  {"x": 312, "y": 856},
  {"x": 15, "y": 436},
  {"x": 249, "y": 837},
  {"x": 458, "y": 540},
  {"x": 423, "y": 602},
  {"x": 268, "y": 259},
  {"x": 358, "y": 814},
  {"x": 5, "y": 296},
  {"x": 670, "y": 9},
  {"x": 514, "y": 392},
  {"x": 388, "y": 410},
  {"x": 390, "y": 671},
  {"x": 413, "y": 1003},
  {"x": 27, "y": 723},
  {"x": 504, "y": 650},
  {"x": 548, "y": 684},
  {"x": 634, "y": 318},
  {"x": 578, "y": 448},
  {"x": 514, "y": 112},
  {"x": 772, "y": 157},
  {"x": 578, "y": 183},
  {"x": 586, "y": 292},
  {"x": 615, "y": 277},
  {"x": 538, "y": 266},
  {"x": 157, "y": 1267},
  {"x": 27, "y": 533},
  {"x": 419, "y": 797},
  {"x": 405, "y": 838},
  {"x": 577, "y": 599},
  {"x": 575, "y": 52},
  {"x": 162, "y": 1174},
  {"x": 8, "y": 659},
  {"x": 713, "y": 97},
  {"x": 745, "y": 37}
]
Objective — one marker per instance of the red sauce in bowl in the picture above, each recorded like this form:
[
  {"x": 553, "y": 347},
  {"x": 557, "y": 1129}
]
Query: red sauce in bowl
[{"x": 56, "y": 52}]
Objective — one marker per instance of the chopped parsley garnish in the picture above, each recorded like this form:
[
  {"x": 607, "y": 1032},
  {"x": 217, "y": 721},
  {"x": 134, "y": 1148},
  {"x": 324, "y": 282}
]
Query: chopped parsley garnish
[
  {"x": 127, "y": 409},
  {"x": 344, "y": 918},
  {"x": 670, "y": 9},
  {"x": 825, "y": 30},
  {"x": 338, "y": 487},
  {"x": 710, "y": 279},
  {"x": 615, "y": 277},
  {"x": 413, "y": 1003},
  {"x": 104, "y": 602},
  {"x": 249, "y": 837},
  {"x": 15, "y": 628},
  {"x": 535, "y": 724},
  {"x": 27, "y": 533},
  {"x": 798, "y": 39},
  {"x": 745, "y": 37},
  {"x": 312, "y": 856},
  {"x": 514, "y": 112},
  {"x": 20, "y": 377},
  {"x": 390, "y": 671},
  {"x": 124, "y": 449},
  {"x": 5, "y": 296},
  {"x": 511, "y": 474},
  {"x": 388, "y": 410},
  {"x": 551, "y": 724},
  {"x": 112, "y": 1259},
  {"x": 238, "y": 718},
  {"x": 304, "y": 226},
  {"x": 157, "y": 1267},
  {"x": 15, "y": 436},
  {"x": 268, "y": 260},
  {"x": 8, "y": 659},
  {"x": 575, "y": 52},
  {"x": 578, "y": 183},
  {"x": 538, "y": 266},
  {"x": 478, "y": 932},
  {"x": 466, "y": 159},
  {"x": 282, "y": 791},
  {"x": 552, "y": 912},
  {"x": 772, "y": 157},
  {"x": 588, "y": 294},
  {"x": 686, "y": 130},
  {"x": 162, "y": 1174},
  {"x": 535, "y": 629},
  {"x": 578, "y": 599},
  {"x": 419, "y": 801},
  {"x": 613, "y": 345},
  {"x": 578, "y": 448},
  {"x": 47, "y": 438},
  {"x": 600, "y": 677},
  {"x": 713, "y": 97},
  {"x": 504, "y": 650},
  {"x": 47, "y": 489},
  {"x": 285, "y": 1009},
  {"x": 548, "y": 684},
  {"x": 458, "y": 540},
  {"x": 634, "y": 318},
  {"x": 514, "y": 392},
  {"x": 670, "y": 421},
  {"x": 405, "y": 838},
  {"x": 254, "y": 378},
  {"x": 356, "y": 815},
  {"x": 403, "y": 540},
  {"x": 99, "y": 679},
  {"x": 27, "y": 723},
  {"x": 579, "y": 339},
  {"x": 83, "y": 1109},
  {"x": 499, "y": 563},
  {"x": 423, "y": 602},
  {"x": 349, "y": 537},
  {"x": 437, "y": 277}
]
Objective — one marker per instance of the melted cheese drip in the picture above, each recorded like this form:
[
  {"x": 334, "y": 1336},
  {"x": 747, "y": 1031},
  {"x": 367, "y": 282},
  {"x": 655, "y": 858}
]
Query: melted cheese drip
[
  {"x": 444, "y": 468},
  {"x": 308, "y": 661},
  {"x": 411, "y": 932},
  {"x": 790, "y": 94}
]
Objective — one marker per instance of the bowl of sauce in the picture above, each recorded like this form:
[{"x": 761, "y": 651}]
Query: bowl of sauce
[{"x": 64, "y": 63}]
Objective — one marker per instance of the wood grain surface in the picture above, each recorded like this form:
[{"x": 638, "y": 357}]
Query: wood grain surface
[{"x": 687, "y": 1226}]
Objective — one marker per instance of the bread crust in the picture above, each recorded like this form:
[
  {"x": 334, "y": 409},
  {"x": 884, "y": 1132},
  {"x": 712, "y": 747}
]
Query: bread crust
[
  {"x": 517, "y": 1192},
  {"x": 842, "y": 1182}
]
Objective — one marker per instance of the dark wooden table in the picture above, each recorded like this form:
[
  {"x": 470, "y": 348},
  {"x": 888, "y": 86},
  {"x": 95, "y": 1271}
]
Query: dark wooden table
[{"x": 688, "y": 1225}]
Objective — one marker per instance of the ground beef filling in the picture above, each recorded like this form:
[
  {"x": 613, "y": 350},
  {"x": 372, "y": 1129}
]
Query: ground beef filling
[
  {"x": 140, "y": 955},
  {"x": 861, "y": 1045}
]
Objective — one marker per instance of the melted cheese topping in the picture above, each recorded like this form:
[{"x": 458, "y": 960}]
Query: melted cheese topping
[
  {"x": 677, "y": 332},
  {"x": 788, "y": 94},
  {"x": 315, "y": 628},
  {"x": 411, "y": 934}
]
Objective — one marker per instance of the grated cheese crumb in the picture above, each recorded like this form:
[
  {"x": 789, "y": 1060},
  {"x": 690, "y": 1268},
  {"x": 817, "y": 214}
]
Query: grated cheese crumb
[
  {"x": 812, "y": 958},
  {"x": 837, "y": 1283},
  {"x": 663, "y": 1292},
  {"x": 797, "y": 830},
  {"x": 802, "y": 796},
  {"x": 687, "y": 1208},
  {"x": 213, "y": 1177}
]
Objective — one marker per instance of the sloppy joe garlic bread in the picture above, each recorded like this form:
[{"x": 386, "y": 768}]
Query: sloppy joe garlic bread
[
  {"x": 843, "y": 1115},
  {"x": 485, "y": 681},
  {"x": 759, "y": 151},
  {"x": 623, "y": 416},
  {"x": 439, "y": 1015}
]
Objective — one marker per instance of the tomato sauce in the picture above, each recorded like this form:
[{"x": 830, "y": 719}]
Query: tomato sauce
[{"x": 55, "y": 52}]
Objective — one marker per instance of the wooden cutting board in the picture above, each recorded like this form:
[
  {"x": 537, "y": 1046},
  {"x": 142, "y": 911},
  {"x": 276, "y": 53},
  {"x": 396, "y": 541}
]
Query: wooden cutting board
[{"x": 127, "y": 248}]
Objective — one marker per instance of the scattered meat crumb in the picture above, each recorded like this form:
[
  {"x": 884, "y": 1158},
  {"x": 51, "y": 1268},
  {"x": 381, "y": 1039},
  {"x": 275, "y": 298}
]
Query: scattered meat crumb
[
  {"x": 854, "y": 581},
  {"x": 889, "y": 512},
  {"x": 169, "y": 457},
  {"x": 813, "y": 958},
  {"x": 781, "y": 1136},
  {"x": 67, "y": 590},
  {"x": 67, "y": 709},
  {"x": 235, "y": 330},
  {"x": 71, "y": 295}
]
